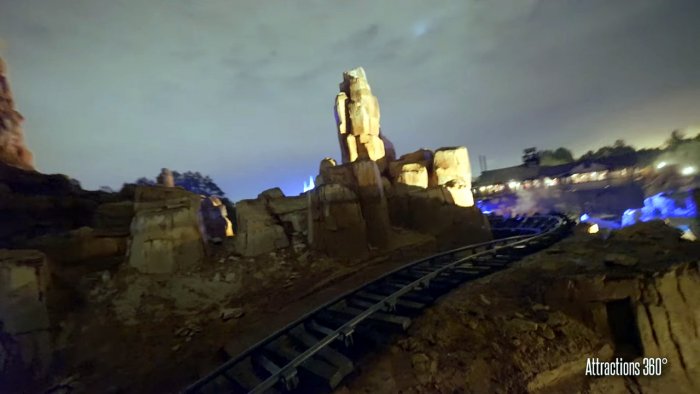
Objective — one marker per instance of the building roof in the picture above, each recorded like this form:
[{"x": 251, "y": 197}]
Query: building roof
[
  {"x": 524, "y": 172},
  {"x": 504, "y": 175}
]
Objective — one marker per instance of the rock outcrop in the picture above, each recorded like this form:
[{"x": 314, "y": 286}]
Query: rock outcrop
[
  {"x": 426, "y": 190},
  {"x": 165, "y": 232},
  {"x": 432, "y": 211},
  {"x": 370, "y": 190},
  {"x": 258, "y": 232},
  {"x": 13, "y": 150},
  {"x": 34, "y": 205},
  {"x": 165, "y": 178},
  {"x": 336, "y": 224},
  {"x": 272, "y": 221},
  {"x": 292, "y": 214},
  {"x": 357, "y": 118},
  {"x": 25, "y": 341},
  {"x": 452, "y": 170},
  {"x": 413, "y": 169}
]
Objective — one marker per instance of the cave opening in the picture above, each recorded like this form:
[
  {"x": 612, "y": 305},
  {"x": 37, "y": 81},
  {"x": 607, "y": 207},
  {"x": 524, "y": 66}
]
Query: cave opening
[{"x": 624, "y": 330}]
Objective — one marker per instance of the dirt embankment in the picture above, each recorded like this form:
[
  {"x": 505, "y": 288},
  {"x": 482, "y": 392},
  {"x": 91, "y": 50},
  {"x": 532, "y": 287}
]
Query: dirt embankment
[
  {"x": 532, "y": 328},
  {"x": 122, "y": 331}
]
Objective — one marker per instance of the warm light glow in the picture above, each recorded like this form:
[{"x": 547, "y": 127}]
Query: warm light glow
[
  {"x": 688, "y": 170},
  {"x": 513, "y": 184},
  {"x": 550, "y": 182},
  {"x": 661, "y": 165},
  {"x": 310, "y": 185},
  {"x": 593, "y": 229}
]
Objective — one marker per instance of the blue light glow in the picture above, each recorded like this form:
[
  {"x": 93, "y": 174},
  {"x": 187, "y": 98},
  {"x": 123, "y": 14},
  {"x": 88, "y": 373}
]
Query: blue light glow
[
  {"x": 659, "y": 207},
  {"x": 485, "y": 207},
  {"x": 310, "y": 185},
  {"x": 584, "y": 218}
]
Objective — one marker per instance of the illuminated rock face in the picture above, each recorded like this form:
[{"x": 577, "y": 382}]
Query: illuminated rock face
[
  {"x": 357, "y": 118},
  {"x": 452, "y": 170},
  {"x": 215, "y": 219},
  {"x": 13, "y": 150},
  {"x": 371, "y": 179}
]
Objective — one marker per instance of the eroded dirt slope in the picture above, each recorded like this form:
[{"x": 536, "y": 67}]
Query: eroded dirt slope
[{"x": 632, "y": 294}]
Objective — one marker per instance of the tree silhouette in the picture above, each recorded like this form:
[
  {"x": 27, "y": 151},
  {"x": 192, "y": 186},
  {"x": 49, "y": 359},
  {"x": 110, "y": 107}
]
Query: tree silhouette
[
  {"x": 676, "y": 139},
  {"x": 555, "y": 157},
  {"x": 191, "y": 181}
]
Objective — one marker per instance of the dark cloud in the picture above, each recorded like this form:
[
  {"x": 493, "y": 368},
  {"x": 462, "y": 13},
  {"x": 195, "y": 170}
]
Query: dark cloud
[{"x": 244, "y": 90}]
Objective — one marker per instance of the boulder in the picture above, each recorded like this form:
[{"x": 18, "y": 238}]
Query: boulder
[
  {"x": 336, "y": 224},
  {"x": 412, "y": 169},
  {"x": 271, "y": 194},
  {"x": 13, "y": 149},
  {"x": 25, "y": 346},
  {"x": 165, "y": 178},
  {"x": 460, "y": 192},
  {"x": 165, "y": 233},
  {"x": 450, "y": 164},
  {"x": 291, "y": 212},
  {"x": 258, "y": 231},
  {"x": 452, "y": 169},
  {"x": 325, "y": 167},
  {"x": 411, "y": 174}
]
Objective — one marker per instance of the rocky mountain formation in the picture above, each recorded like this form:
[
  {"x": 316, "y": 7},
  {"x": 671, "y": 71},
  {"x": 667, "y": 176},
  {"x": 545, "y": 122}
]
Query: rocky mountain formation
[
  {"x": 104, "y": 291},
  {"x": 13, "y": 150},
  {"x": 117, "y": 259}
]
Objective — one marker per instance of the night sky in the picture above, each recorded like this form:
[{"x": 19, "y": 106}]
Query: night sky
[{"x": 113, "y": 90}]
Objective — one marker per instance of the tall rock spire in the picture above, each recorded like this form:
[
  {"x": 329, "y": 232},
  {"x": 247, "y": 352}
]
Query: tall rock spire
[
  {"x": 357, "y": 118},
  {"x": 13, "y": 150}
]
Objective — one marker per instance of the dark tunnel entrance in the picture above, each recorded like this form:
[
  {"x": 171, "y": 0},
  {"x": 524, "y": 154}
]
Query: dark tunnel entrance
[{"x": 624, "y": 330}]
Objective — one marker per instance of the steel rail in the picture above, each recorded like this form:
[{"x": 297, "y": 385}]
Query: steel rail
[{"x": 287, "y": 373}]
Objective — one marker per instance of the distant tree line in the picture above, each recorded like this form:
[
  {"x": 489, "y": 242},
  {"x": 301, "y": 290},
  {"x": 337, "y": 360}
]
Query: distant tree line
[{"x": 677, "y": 142}]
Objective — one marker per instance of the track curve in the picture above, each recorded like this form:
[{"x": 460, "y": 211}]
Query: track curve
[{"x": 315, "y": 352}]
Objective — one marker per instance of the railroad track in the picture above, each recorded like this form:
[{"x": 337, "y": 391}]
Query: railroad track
[{"x": 314, "y": 353}]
